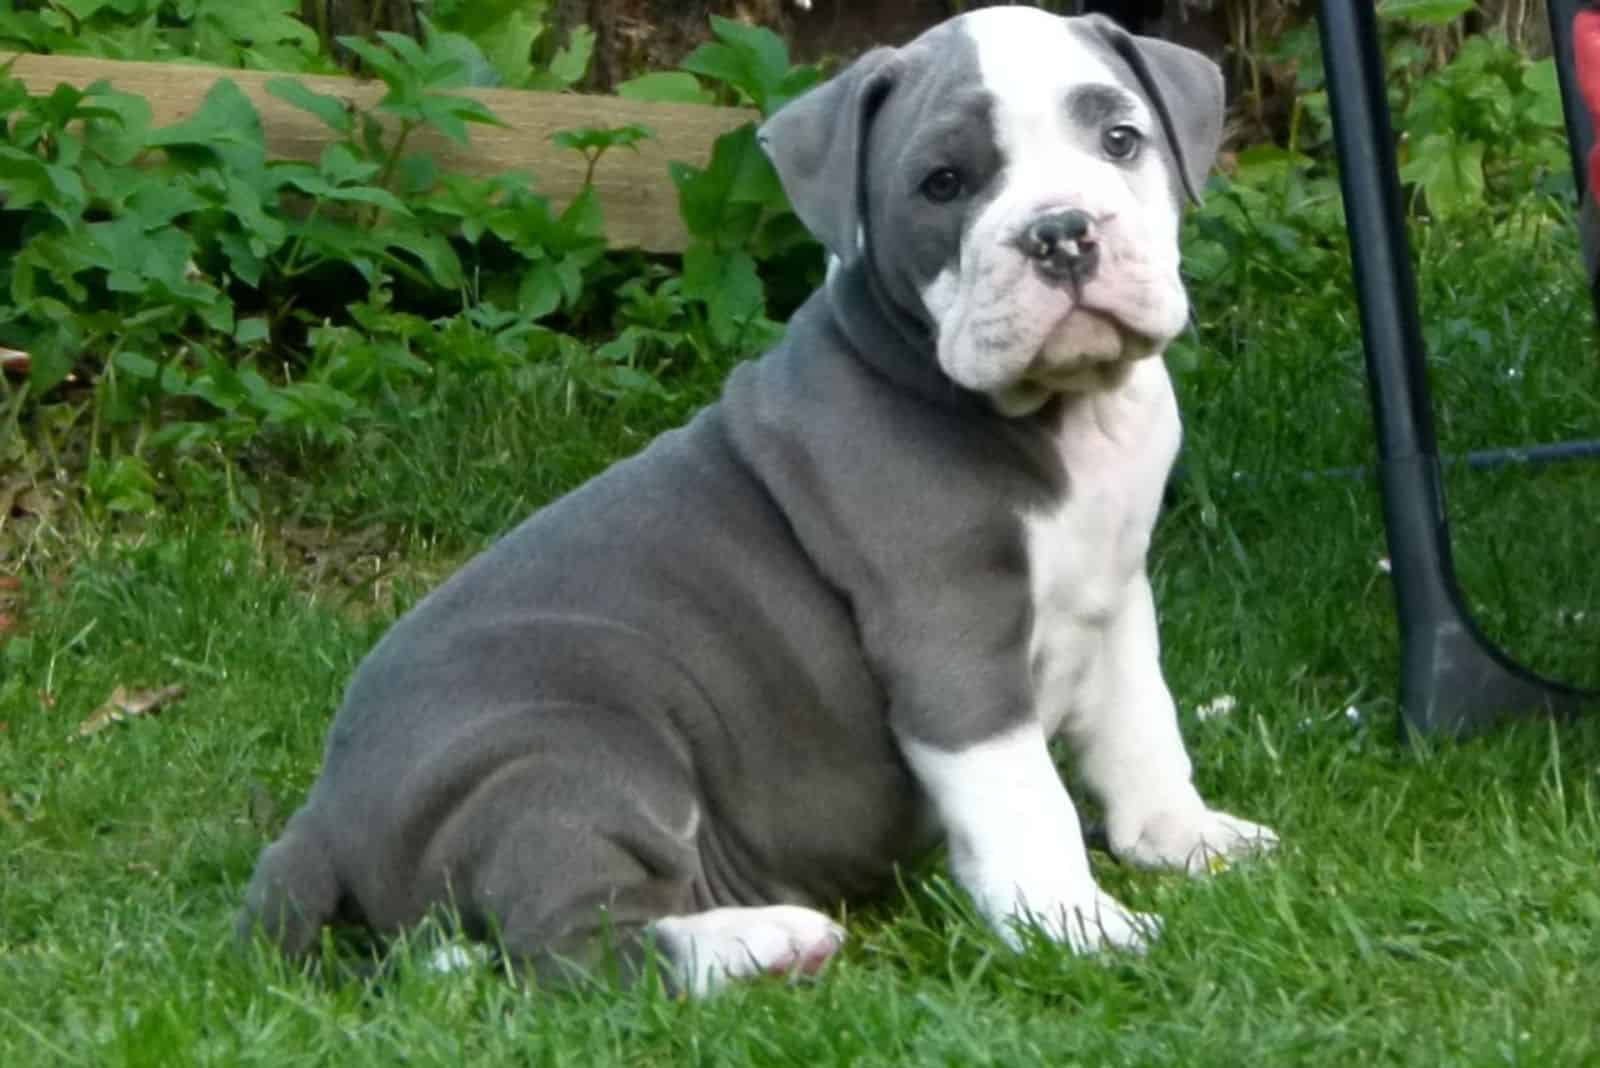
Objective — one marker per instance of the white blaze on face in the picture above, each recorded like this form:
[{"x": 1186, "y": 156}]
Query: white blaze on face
[{"x": 1003, "y": 328}]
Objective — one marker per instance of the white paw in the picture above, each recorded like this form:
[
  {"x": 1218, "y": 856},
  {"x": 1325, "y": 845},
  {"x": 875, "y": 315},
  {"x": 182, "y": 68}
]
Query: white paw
[
  {"x": 1199, "y": 841},
  {"x": 455, "y": 957},
  {"x": 1090, "y": 922},
  {"x": 707, "y": 949}
]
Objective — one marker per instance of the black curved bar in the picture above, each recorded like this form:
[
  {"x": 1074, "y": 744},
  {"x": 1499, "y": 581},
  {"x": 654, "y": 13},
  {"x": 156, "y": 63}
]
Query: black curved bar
[{"x": 1453, "y": 681}]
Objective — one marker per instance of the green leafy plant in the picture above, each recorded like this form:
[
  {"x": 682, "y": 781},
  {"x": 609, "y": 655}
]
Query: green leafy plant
[
  {"x": 734, "y": 207},
  {"x": 511, "y": 42},
  {"x": 192, "y": 295},
  {"x": 1487, "y": 122},
  {"x": 262, "y": 34},
  {"x": 1484, "y": 122}
]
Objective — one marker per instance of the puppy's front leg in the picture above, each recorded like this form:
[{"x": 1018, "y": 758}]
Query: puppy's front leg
[
  {"x": 1015, "y": 843},
  {"x": 1131, "y": 756}
]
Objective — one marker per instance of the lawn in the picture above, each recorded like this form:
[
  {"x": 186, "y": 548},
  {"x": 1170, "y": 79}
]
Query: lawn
[{"x": 1431, "y": 904}]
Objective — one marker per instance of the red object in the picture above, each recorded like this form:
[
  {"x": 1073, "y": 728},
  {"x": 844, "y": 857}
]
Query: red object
[{"x": 1586, "y": 61}]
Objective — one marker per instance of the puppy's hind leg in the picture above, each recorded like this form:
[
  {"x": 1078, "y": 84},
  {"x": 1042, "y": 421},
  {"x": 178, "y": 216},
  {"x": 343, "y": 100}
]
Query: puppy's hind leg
[
  {"x": 580, "y": 903},
  {"x": 293, "y": 892}
]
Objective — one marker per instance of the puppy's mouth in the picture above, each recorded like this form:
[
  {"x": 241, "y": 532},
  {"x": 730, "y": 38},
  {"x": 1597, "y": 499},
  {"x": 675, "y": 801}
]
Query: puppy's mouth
[{"x": 1085, "y": 345}]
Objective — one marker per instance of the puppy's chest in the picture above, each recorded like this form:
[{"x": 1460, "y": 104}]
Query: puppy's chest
[{"x": 1085, "y": 551}]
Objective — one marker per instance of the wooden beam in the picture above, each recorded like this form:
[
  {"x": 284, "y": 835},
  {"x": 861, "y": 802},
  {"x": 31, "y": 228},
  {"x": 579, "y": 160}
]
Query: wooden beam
[{"x": 640, "y": 201}]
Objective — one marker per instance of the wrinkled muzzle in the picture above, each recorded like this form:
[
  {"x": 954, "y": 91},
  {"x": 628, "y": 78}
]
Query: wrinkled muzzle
[{"x": 1052, "y": 288}]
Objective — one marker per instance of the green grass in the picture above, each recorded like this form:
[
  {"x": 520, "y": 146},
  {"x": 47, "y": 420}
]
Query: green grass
[{"x": 1434, "y": 905}]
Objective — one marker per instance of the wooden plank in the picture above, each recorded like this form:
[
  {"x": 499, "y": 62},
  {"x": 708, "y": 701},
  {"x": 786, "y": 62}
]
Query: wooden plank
[{"x": 641, "y": 204}]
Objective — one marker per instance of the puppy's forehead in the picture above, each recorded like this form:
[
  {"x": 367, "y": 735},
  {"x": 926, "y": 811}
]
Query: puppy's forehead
[{"x": 1035, "y": 63}]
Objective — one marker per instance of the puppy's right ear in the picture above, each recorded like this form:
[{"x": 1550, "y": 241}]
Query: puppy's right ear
[{"x": 818, "y": 144}]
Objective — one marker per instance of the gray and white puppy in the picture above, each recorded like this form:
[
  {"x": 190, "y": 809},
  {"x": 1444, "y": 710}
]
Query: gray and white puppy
[{"x": 741, "y": 676}]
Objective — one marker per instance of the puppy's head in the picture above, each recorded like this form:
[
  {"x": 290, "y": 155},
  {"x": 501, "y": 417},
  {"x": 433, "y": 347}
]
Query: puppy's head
[{"x": 1014, "y": 180}]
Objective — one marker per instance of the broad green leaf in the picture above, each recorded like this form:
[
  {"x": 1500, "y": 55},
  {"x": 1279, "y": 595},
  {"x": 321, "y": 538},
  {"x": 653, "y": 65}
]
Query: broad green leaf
[
  {"x": 243, "y": 260},
  {"x": 1450, "y": 173},
  {"x": 340, "y": 165},
  {"x": 136, "y": 365},
  {"x": 767, "y": 57},
  {"x": 797, "y": 81},
  {"x": 450, "y": 114},
  {"x": 248, "y": 203},
  {"x": 465, "y": 62},
  {"x": 589, "y": 138},
  {"x": 407, "y": 49},
  {"x": 433, "y": 251},
  {"x": 227, "y": 124},
  {"x": 675, "y": 87},
  {"x": 27, "y": 181},
  {"x": 333, "y": 112},
  {"x": 120, "y": 126},
  {"x": 570, "y": 64},
  {"x": 1428, "y": 12},
  {"x": 381, "y": 61},
  {"x": 541, "y": 291},
  {"x": 54, "y": 357},
  {"x": 720, "y": 203},
  {"x": 727, "y": 65},
  {"x": 727, "y": 283},
  {"x": 317, "y": 186},
  {"x": 82, "y": 10},
  {"x": 157, "y": 201},
  {"x": 1542, "y": 94},
  {"x": 251, "y": 331},
  {"x": 508, "y": 46},
  {"x": 584, "y": 217},
  {"x": 255, "y": 21}
]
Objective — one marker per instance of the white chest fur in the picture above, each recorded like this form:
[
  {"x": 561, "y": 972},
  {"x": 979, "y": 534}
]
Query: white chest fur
[{"x": 1086, "y": 555}]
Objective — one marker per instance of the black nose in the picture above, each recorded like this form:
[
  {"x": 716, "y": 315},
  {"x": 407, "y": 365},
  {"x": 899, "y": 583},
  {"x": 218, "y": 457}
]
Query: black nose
[{"x": 1063, "y": 246}]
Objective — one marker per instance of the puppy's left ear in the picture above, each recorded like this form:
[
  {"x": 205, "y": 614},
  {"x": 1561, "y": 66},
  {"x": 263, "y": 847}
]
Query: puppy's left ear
[
  {"x": 1186, "y": 90},
  {"x": 818, "y": 145}
]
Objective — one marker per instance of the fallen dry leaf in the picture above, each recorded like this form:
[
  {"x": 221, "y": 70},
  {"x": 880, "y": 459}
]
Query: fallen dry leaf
[
  {"x": 122, "y": 705},
  {"x": 36, "y": 501},
  {"x": 15, "y": 360}
]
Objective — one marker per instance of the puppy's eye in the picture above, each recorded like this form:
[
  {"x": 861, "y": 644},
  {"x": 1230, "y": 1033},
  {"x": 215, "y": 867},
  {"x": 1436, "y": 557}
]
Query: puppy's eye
[
  {"x": 1121, "y": 142},
  {"x": 942, "y": 186}
]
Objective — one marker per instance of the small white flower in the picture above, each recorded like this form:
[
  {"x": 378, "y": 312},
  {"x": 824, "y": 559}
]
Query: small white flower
[
  {"x": 1352, "y": 714},
  {"x": 1384, "y": 565},
  {"x": 1217, "y": 707}
]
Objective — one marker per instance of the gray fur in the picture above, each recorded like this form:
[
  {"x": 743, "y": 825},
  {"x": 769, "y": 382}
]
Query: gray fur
[{"x": 680, "y": 686}]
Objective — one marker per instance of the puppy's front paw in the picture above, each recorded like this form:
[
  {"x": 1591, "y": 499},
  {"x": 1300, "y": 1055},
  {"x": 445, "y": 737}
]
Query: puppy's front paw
[
  {"x": 1199, "y": 841},
  {"x": 1089, "y": 922}
]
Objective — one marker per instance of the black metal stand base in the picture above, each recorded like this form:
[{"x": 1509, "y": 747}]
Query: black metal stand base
[{"x": 1454, "y": 681}]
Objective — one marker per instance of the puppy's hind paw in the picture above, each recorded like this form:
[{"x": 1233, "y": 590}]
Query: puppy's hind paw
[{"x": 708, "y": 949}]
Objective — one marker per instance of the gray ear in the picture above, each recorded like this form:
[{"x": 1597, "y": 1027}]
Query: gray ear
[
  {"x": 1186, "y": 90},
  {"x": 818, "y": 145}
]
